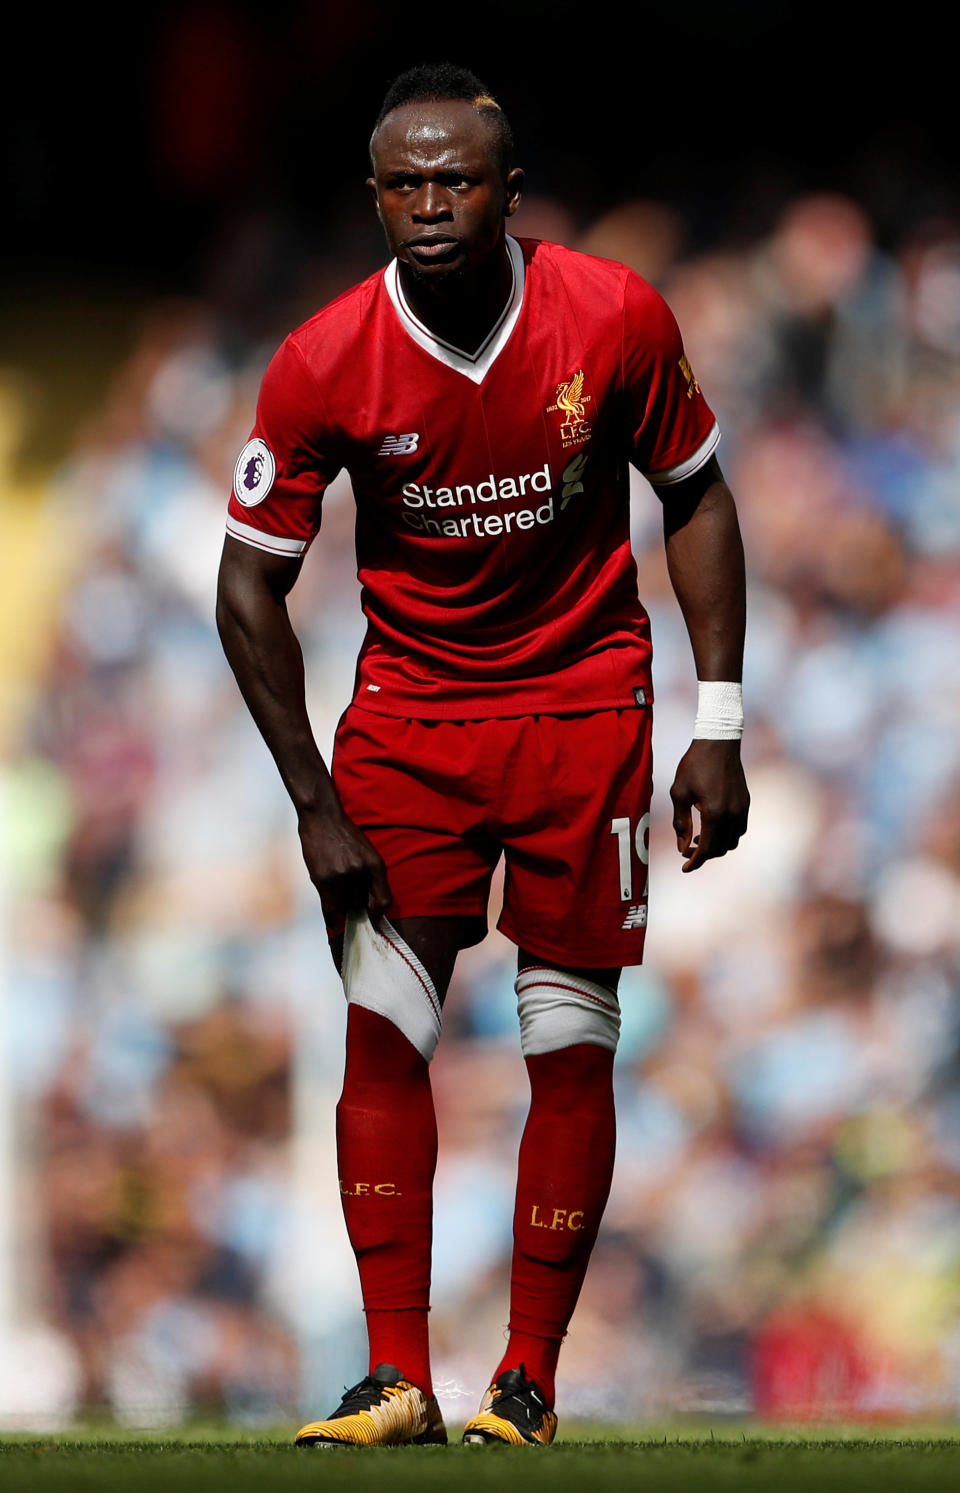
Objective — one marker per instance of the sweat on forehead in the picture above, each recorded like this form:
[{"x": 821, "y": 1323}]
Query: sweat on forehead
[{"x": 430, "y": 122}]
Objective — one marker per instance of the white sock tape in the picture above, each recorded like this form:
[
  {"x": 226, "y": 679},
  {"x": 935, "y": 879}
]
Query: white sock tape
[
  {"x": 383, "y": 974},
  {"x": 558, "y": 1009},
  {"x": 719, "y": 711}
]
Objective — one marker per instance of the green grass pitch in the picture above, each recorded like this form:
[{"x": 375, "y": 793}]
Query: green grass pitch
[{"x": 640, "y": 1458}]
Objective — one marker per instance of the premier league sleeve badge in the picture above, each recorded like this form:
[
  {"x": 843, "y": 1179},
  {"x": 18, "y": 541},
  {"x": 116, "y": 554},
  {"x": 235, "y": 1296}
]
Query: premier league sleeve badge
[{"x": 254, "y": 473}]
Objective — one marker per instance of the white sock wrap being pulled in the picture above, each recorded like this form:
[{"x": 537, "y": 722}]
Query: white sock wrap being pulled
[
  {"x": 558, "y": 1009},
  {"x": 382, "y": 974},
  {"x": 719, "y": 711}
]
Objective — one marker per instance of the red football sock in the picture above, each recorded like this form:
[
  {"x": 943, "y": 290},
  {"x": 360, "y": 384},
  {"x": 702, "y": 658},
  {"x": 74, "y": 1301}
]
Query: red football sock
[
  {"x": 387, "y": 1154},
  {"x": 563, "y": 1180}
]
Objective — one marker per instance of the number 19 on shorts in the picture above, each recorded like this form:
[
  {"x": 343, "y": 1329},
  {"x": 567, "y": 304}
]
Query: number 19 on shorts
[{"x": 629, "y": 839}]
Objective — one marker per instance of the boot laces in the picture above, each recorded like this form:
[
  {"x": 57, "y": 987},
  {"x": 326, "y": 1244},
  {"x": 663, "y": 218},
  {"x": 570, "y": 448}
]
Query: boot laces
[{"x": 363, "y": 1396}]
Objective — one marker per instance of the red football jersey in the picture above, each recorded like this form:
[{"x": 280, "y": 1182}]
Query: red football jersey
[{"x": 492, "y": 489}]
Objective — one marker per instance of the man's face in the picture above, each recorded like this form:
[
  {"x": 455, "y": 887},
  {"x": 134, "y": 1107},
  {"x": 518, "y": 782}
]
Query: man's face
[{"x": 441, "y": 194}]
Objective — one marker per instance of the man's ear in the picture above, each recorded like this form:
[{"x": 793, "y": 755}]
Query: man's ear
[
  {"x": 514, "y": 191},
  {"x": 372, "y": 184}
]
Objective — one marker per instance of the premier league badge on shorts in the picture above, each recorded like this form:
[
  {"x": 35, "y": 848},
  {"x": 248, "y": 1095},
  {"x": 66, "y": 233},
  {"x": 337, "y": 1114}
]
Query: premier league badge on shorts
[{"x": 254, "y": 473}]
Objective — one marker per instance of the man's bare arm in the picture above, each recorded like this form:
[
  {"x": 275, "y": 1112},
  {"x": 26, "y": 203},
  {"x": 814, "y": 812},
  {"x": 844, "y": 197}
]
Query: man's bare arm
[
  {"x": 265, "y": 656},
  {"x": 705, "y": 561}
]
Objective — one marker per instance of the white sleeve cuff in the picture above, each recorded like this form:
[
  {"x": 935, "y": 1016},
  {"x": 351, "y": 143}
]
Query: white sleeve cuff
[
  {"x": 274, "y": 544},
  {"x": 692, "y": 464}
]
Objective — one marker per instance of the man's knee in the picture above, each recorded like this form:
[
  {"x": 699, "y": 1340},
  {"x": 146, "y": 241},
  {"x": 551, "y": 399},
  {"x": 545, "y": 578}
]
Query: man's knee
[
  {"x": 560, "y": 1009},
  {"x": 382, "y": 974}
]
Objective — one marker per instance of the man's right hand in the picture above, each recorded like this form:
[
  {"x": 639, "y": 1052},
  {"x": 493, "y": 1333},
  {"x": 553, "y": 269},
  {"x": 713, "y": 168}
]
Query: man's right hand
[
  {"x": 264, "y": 654},
  {"x": 343, "y": 865}
]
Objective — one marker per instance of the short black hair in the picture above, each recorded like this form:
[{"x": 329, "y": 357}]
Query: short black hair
[{"x": 433, "y": 82}]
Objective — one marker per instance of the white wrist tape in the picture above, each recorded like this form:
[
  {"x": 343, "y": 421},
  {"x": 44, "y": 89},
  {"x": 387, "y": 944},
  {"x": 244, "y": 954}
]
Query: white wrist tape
[
  {"x": 558, "y": 1009},
  {"x": 719, "y": 711},
  {"x": 383, "y": 974}
]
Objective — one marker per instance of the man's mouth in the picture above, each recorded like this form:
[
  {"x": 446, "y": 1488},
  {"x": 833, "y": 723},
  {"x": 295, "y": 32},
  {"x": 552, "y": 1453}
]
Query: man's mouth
[{"x": 432, "y": 247}]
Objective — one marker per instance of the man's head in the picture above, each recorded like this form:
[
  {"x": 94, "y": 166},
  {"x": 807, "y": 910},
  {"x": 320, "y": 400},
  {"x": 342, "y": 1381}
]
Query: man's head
[
  {"x": 441, "y": 82},
  {"x": 443, "y": 174}
]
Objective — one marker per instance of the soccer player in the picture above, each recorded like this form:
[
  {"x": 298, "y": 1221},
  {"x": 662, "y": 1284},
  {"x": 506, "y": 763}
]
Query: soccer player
[{"x": 486, "y": 395}]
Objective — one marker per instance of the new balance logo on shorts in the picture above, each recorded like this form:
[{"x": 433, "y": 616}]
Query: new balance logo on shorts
[
  {"x": 400, "y": 445},
  {"x": 636, "y": 917}
]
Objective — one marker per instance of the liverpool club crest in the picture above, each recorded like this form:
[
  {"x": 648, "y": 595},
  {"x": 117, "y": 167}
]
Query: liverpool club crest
[{"x": 571, "y": 406}]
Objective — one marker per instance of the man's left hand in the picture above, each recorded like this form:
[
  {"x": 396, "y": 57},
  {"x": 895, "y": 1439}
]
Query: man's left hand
[{"x": 709, "y": 779}]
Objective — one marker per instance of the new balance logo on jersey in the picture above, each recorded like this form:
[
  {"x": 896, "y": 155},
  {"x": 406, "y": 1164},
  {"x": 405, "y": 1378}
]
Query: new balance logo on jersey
[
  {"x": 636, "y": 917},
  {"x": 400, "y": 445}
]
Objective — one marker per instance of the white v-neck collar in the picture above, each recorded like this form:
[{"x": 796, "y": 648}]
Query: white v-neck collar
[{"x": 474, "y": 366}]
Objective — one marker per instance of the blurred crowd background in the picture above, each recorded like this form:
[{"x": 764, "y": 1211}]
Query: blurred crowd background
[{"x": 783, "y": 1237}]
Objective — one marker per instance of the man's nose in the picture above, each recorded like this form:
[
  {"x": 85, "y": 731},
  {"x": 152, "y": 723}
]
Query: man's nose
[{"x": 432, "y": 203}]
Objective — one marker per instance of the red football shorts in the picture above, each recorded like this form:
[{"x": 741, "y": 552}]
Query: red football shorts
[{"x": 566, "y": 799}]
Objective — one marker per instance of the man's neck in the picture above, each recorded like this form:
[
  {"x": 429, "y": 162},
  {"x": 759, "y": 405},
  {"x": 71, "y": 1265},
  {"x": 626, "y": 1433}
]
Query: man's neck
[{"x": 463, "y": 308}]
